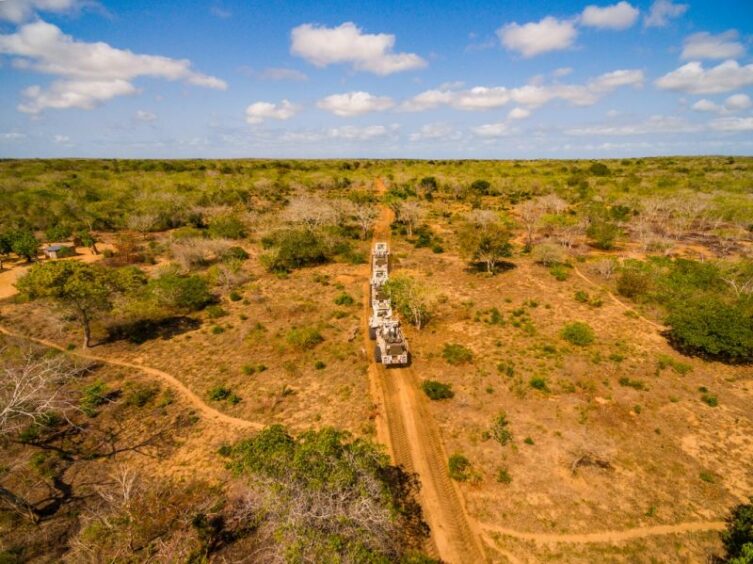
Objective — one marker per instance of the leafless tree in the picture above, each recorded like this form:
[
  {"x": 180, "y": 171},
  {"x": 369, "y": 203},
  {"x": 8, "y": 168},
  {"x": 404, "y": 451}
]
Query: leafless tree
[
  {"x": 195, "y": 251},
  {"x": 31, "y": 388},
  {"x": 310, "y": 212},
  {"x": 142, "y": 222},
  {"x": 605, "y": 268},
  {"x": 529, "y": 214},
  {"x": 410, "y": 213},
  {"x": 365, "y": 215}
]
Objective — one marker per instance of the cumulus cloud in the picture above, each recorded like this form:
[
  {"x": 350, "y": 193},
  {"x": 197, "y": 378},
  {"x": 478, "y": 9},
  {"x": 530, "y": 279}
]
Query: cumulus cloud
[
  {"x": 19, "y": 11},
  {"x": 351, "y": 132},
  {"x": 519, "y": 113},
  {"x": 617, "y": 16},
  {"x": 12, "y": 136},
  {"x": 530, "y": 96},
  {"x": 492, "y": 130},
  {"x": 92, "y": 72},
  {"x": 259, "y": 111},
  {"x": 692, "y": 78},
  {"x": 146, "y": 117},
  {"x": 562, "y": 71},
  {"x": 435, "y": 131},
  {"x": 535, "y": 38},
  {"x": 322, "y": 46},
  {"x": 734, "y": 103},
  {"x": 662, "y": 11},
  {"x": 704, "y": 45},
  {"x": 653, "y": 125},
  {"x": 732, "y": 124},
  {"x": 352, "y": 104}
]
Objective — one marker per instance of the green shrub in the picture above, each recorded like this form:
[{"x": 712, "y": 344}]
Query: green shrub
[
  {"x": 738, "y": 536},
  {"x": 456, "y": 354},
  {"x": 500, "y": 430},
  {"x": 581, "y": 296},
  {"x": 319, "y": 365},
  {"x": 559, "y": 271},
  {"x": 215, "y": 311},
  {"x": 304, "y": 338},
  {"x": 603, "y": 234},
  {"x": 296, "y": 248},
  {"x": 707, "y": 476},
  {"x": 92, "y": 397},
  {"x": 710, "y": 400},
  {"x": 234, "y": 254},
  {"x": 183, "y": 293},
  {"x": 713, "y": 329},
  {"x": 138, "y": 395},
  {"x": 503, "y": 476},
  {"x": 635, "y": 384},
  {"x": 578, "y": 333},
  {"x": 539, "y": 383},
  {"x": 344, "y": 299},
  {"x": 227, "y": 227},
  {"x": 528, "y": 441},
  {"x": 235, "y": 296},
  {"x": 665, "y": 361},
  {"x": 437, "y": 390},
  {"x": 221, "y": 393},
  {"x": 217, "y": 330},
  {"x": 633, "y": 283},
  {"x": 459, "y": 467}
]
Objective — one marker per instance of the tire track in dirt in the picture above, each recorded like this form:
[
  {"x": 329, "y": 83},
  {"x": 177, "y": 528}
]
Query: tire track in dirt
[
  {"x": 194, "y": 400},
  {"x": 406, "y": 426},
  {"x": 608, "y": 537}
]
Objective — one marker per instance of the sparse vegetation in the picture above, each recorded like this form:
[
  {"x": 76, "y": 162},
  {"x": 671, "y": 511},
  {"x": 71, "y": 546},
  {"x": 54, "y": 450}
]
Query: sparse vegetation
[
  {"x": 578, "y": 333},
  {"x": 456, "y": 354},
  {"x": 437, "y": 390}
]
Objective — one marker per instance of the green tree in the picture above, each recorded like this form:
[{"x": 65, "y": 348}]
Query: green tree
[
  {"x": 412, "y": 298},
  {"x": 296, "y": 248},
  {"x": 738, "y": 537},
  {"x": 6, "y": 246},
  {"x": 25, "y": 245},
  {"x": 87, "y": 239},
  {"x": 603, "y": 234},
  {"x": 488, "y": 243},
  {"x": 181, "y": 293},
  {"x": 85, "y": 290},
  {"x": 710, "y": 327}
]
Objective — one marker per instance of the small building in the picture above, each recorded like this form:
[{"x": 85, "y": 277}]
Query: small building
[{"x": 58, "y": 251}]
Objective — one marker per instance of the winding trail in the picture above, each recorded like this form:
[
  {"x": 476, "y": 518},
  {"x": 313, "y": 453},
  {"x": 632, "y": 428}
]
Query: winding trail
[
  {"x": 405, "y": 424},
  {"x": 194, "y": 400},
  {"x": 609, "y": 536},
  {"x": 617, "y": 300}
]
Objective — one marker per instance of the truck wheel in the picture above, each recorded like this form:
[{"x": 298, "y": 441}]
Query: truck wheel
[
  {"x": 372, "y": 333},
  {"x": 377, "y": 355},
  {"x": 408, "y": 361}
]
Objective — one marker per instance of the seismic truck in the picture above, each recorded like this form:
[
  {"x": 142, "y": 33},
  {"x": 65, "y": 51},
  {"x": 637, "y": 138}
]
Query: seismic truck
[
  {"x": 381, "y": 309},
  {"x": 391, "y": 347}
]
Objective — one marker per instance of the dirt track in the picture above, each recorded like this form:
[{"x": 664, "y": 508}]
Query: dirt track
[
  {"x": 405, "y": 425},
  {"x": 195, "y": 401}
]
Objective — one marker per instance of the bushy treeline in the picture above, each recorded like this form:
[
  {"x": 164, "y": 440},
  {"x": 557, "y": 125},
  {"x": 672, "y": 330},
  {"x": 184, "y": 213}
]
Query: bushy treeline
[{"x": 709, "y": 304}]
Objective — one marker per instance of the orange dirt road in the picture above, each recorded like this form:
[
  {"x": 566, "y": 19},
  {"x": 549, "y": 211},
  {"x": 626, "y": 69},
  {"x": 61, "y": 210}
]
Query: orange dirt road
[{"x": 406, "y": 426}]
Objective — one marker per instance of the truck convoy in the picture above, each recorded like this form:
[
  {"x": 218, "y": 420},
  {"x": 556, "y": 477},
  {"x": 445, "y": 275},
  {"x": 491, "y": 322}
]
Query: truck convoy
[{"x": 391, "y": 347}]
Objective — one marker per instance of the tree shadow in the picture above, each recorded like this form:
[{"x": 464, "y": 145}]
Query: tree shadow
[
  {"x": 144, "y": 330},
  {"x": 481, "y": 268}
]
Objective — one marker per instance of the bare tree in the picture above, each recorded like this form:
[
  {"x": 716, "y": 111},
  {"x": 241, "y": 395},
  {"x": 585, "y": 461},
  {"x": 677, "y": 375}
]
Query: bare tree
[
  {"x": 410, "y": 213},
  {"x": 142, "y": 222},
  {"x": 529, "y": 213},
  {"x": 310, "y": 212},
  {"x": 605, "y": 268},
  {"x": 365, "y": 215},
  {"x": 31, "y": 388}
]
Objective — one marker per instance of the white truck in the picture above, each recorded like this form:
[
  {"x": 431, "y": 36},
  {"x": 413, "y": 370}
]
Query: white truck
[{"x": 391, "y": 346}]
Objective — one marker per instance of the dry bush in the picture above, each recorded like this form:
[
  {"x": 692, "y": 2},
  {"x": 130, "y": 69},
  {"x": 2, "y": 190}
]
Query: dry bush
[
  {"x": 197, "y": 252},
  {"x": 548, "y": 254}
]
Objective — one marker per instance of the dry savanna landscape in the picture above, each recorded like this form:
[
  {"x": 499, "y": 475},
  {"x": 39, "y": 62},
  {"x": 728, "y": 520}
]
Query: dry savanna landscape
[{"x": 187, "y": 373}]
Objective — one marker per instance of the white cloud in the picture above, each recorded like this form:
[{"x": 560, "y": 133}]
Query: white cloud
[
  {"x": 653, "y": 125},
  {"x": 347, "y": 43},
  {"x": 12, "y": 136},
  {"x": 738, "y": 102},
  {"x": 734, "y": 103},
  {"x": 732, "y": 124},
  {"x": 19, "y": 11},
  {"x": 562, "y": 71},
  {"x": 531, "y": 95},
  {"x": 492, "y": 130},
  {"x": 436, "y": 131},
  {"x": 93, "y": 72},
  {"x": 219, "y": 11},
  {"x": 61, "y": 139},
  {"x": 354, "y": 104},
  {"x": 535, "y": 38},
  {"x": 692, "y": 78},
  {"x": 259, "y": 111},
  {"x": 282, "y": 74},
  {"x": 351, "y": 132},
  {"x": 146, "y": 117},
  {"x": 705, "y": 105},
  {"x": 66, "y": 94},
  {"x": 519, "y": 113},
  {"x": 703, "y": 45},
  {"x": 662, "y": 11},
  {"x": 617, "y": 16}
]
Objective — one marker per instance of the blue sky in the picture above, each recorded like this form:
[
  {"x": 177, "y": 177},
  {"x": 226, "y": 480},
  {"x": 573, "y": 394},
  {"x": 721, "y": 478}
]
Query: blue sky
[{"x": 430, "y": 79}]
